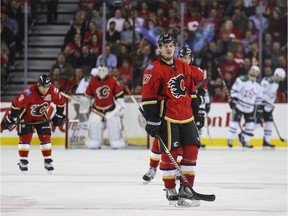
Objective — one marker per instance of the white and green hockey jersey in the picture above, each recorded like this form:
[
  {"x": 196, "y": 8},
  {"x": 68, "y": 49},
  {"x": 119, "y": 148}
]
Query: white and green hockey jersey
[
  {"x": 84, "y": 82},
  {"x": 248, "y": 93},
  {"x": 270, "y": 88}
]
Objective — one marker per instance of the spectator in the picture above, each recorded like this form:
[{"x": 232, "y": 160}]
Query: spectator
[
  {"x": 118, "y": 19},
  {"x": 254, "y": 53},
  {"x": 247, "y": 41},
  {"x": 125, "y": 73},
  {"x": 97, "y": 19},
  {"x": 243, "y": 69},
  {"x": 228, "y": 28},
  {"x": 229, "y": 66},
  {"x": 52, "y": 14},
  {"x": 256, "y": 20},
  {"x": 239, "y": 54},
  {"x": 276, "y": 24},
  {"x": 8, "y": 38},
  {"x": 110, "y": 58},
  {"x": 144, "y": 11},
  {"x": 239, "y": 20},
  {"x": 267, "y": 43},
  {"x": 92, "y": 31},
  {"x": 112, "y": 35},
  {"x": 219, "y": 95},
  {"x": 123, "y": 54},
  {"x": 95, "y": 47},
  {"x": 66, "y": 70},
  {"x": 74, "y": 81},
  {"x": 267, "y": 72},
  {"x": 72, "y": 59},
  {"x": 211, "y": 53},
  {"x": 172, "y": 21},
  {"x": 70, "y": 35},
  {"x": 87, "y": 59},
  {"x": 57, "y": 80},
  {"x": 127, "y": 35},
  {"x": 275, "y": 52},
  {"x": 225, "y": 45},
  {"x": 76, "y": 45}
]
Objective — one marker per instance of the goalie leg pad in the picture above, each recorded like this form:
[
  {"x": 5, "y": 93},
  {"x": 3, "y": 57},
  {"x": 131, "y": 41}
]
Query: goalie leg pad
[
  {"x": 93, "y": 144},
  {"x": 96, "y": 127},
  {"x": 114, "y": 132}
]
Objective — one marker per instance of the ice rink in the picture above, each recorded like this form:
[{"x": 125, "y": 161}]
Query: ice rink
[{"x": 108, "y": 182}]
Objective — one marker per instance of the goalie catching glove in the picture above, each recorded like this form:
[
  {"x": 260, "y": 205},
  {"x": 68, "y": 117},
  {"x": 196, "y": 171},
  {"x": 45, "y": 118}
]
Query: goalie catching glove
[
  {"x": 58, "y": 119},
  {"x": 8, "y": 122},
  {"x": 153, "y": 126}
]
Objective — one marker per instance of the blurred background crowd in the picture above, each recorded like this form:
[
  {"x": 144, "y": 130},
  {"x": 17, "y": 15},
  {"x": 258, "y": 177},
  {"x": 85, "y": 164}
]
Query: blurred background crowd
[{"x": 221, "y": 33}]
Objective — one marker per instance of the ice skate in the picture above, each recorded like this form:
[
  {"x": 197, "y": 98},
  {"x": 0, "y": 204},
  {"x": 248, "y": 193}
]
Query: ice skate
[
  {"x": 243, "y": 143},
  {"x": 203, "y": 146},
  {"x": 23, "y": 166},
  {"x": 48, "y": 165},
  {"x": 149, "y": 175},
  {"x": 172, "y": 196},
  {"x": 230, "y": 143},
  {"x": 186, "y": 198},
  {"x": 267, "y": 145}
]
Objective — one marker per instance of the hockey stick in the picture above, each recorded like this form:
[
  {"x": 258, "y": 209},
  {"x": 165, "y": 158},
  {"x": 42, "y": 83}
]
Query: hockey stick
[
  {"x": 283, "y": 140},
  {"x": 228, "y": 94},
  {"x": 70, "y": 97},
  {"x": 207, "y": 79},
  {"x": 197, "y": 196}
]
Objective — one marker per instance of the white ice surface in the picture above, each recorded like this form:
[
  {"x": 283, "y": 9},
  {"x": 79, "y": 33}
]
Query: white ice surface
[{"x": 109, "y": 183}]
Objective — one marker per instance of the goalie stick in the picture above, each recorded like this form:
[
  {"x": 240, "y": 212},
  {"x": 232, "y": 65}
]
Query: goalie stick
[{"x": 197, "y": 196}]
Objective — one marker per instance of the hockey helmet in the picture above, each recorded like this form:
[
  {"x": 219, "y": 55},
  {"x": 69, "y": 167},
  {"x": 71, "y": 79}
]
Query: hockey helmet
[
  {"x": 102, "y": 72},
  {"x": 44, "y": 80},
  {"x": 186, "y": 52},
  {"x": 94, "y": 72},
  {"x": 279, "y": 74},
  {"x": 254, "y": 71},
  {"x": 166, "y": 39}
]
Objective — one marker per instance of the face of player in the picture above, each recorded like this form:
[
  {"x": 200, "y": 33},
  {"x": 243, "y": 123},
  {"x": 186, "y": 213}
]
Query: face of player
[
  {"x": 253, "y": 74},
  {"x": 43, "y": 90},
  {"x": 186, "y": 59},
  {"x": 167, "y": 51}
]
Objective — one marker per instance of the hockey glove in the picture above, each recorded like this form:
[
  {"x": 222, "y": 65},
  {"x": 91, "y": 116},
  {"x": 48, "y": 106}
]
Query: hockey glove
[
  {"x": 200, "y": 100},
  {"x": 259, "y": 114},
  {"x": 200, "y": 118},
  {"x": 153, "y": 126},
  {"x": 58, "y": 119},
  {"x": 8, "y": 122},
  {"x": 232, "y": 103}
]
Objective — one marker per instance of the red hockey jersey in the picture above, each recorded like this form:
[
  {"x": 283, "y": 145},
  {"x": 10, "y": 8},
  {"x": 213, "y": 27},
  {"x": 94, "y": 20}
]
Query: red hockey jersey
[
  {"x": 167, "y": 84},
  {"x": 104, "y": 91},
  {"x": 198, "y": 76},
  {"x": 35, "y": 106}
]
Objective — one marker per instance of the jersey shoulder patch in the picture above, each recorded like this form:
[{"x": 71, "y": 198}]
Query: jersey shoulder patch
[
  {"x": 28, "y": 92},
  {"x": 150, "y": 67},
  {"x": 244, "y": 78}
]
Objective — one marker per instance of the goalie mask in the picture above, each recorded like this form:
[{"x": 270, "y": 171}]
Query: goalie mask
[
  {"x": 44, "y": 80},
  {"x": 253, "y": 73},
  {"x": 102, "y": 72},
  {"x": 279, "y": 75}
]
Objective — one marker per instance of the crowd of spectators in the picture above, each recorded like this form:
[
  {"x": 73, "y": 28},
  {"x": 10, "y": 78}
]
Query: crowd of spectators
[{"x": 221, "y": 33}]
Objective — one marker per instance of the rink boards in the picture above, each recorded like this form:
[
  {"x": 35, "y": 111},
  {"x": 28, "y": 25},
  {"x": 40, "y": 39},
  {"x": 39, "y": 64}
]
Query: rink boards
[{"x": 214, "y": 135}]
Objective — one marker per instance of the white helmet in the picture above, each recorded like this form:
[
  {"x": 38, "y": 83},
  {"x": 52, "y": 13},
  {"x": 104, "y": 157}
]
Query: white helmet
[
  {"x": 253, "y": 73},
  {"x": 94, "y": 72},
  {"x": 102, "y": 72},
  {"x": 279, "y": 74}
]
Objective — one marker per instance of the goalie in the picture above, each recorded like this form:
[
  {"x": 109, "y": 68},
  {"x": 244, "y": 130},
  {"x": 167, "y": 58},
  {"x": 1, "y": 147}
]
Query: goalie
[{"x": 107, "y": 110}]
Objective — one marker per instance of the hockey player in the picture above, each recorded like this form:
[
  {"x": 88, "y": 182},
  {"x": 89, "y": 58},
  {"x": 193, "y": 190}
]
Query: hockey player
[
  {"x": 247, "y": 97},
  {"x": 187, "y": 56},
  {"x": 29, "y": 111},
  {"x": 270, "y": 86},
  {"x": 165, "y": 92},
  {"x": 106, "y": 111}
]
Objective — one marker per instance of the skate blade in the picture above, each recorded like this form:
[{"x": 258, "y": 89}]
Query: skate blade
[
  {"x": 146, "y": 182},
  {"x": 24, "y": 172},
  {"x": 49, "y": 172},
  {"x": 173, "y": 203},
  {"x": 182, "y": 202},
  {"x": 267, "y": 148}
]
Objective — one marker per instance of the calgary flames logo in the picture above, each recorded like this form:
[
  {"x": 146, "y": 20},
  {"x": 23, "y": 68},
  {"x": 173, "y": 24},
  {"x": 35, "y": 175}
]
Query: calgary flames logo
[
  {"x": 177, "y": 86},
  {"x": 103, "y": 91},
  {"x": 39, "y": 109}
]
